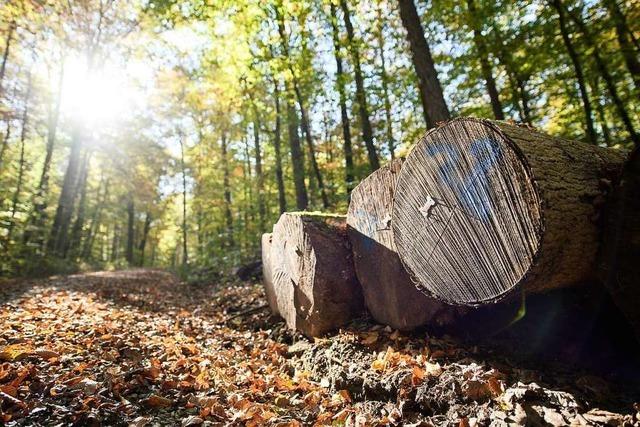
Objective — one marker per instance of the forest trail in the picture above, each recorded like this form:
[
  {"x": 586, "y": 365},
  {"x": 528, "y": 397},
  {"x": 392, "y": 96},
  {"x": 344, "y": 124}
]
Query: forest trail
[{"x": 140, "y": 348}]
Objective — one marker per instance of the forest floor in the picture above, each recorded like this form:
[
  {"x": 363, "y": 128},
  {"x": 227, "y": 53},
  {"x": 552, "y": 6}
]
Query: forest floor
[{"x": 140, "y": 348}]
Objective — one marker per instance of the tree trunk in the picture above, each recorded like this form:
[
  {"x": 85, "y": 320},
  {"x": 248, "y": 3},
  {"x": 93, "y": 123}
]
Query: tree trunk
[
  {"x": 5, "y": 54},
  {"x": 361, "y": 95},
  {"x": 267, "y": 273},
  {"x": 143, "y": 240},
  {"x": 76, "y": 231},
  {"x": 130, "y": 231},
  {"x": 619, "y": 267},
  {"x": 226, "y": 185},
  {"x": 5, "y": 142},
  {"x": 312, "y": 266},
  {"x": 297, "y": 159},
  {"x": 304, "y": 118},
  {"x": 21, "y": 162},
  {"x": 384, "y": 77},
  {"x": 262, "y": 210},
  {"x": 95, "y": 220},
  {"x": 623, "y": 32},
  {"x": 185, "y": 253},
  {"x": 602, "y": 117},
  {"x": 577, "y": 67},
  {"x": 435, "y": 107},
  {"x": 482, "y": 208},
  {"x": 389, "y": 293},
  {"x": 66, "y": 200},
  {"x": 344, "y": 114},
  {"x": 604, "y": 72},
  {"x": 39, "y": 215},
  {"x": 282, "y": 200},
  {"x": 115, "y": 243},
  {"x": 485, "y": 64}
]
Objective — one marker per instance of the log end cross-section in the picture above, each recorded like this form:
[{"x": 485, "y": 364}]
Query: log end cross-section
[{"x": 483, "y": 207}]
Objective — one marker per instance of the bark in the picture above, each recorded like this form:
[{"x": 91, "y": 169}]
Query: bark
[
  {"x": 267, "y": 273},
  {"x": 485, "y": 64},
  {"x": 344, "y": 114},
  {"x": 604, "y": 72},
  {"x": 39, "y": 215},
  {"x": 577, "y": 67},
  {"x": 433, "y": 103},
  {"x": 619, "y": 267},
  {"x": 21, "y": 161},
  {"x": 5, "y": 54},
  {"x": 297, "y": 160},
  {"x": 185, "y": 253},
  {"x": 130, "y": 230},
  {"x": 390, "y": 295},
  {"x": 312, "y": 266},
  {"x": 304, "y": 118},
  {"x": 262, "y": 210},
  {"x": 384, "y": 77},
  {"x": 361, "y": 95},
  {"x": 143, "y": 240},
  {"x": 66, "y": 200},
  {"x": 76, "y": 231},
  {"x": 282, "y": 200},
  {"x": 483, "y": 208},
  {"x": 227, "y": 193},
  {"x": 627, "y": 48},
  {"x": 87, "y": 246}
]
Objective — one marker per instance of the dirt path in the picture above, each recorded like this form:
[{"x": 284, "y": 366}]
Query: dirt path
[{"x": 139, "y": 348}]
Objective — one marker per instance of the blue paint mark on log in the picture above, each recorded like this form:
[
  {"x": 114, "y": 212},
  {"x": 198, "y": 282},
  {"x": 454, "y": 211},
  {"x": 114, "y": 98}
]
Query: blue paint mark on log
[{"x": 472, "y": 191}]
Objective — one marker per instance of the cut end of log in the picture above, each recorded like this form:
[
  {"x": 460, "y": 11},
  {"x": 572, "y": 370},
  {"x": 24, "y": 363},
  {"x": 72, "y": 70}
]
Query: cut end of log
[
  {"x": 267, "y": 273},
  {"x": 313, "y": 276},
  {"x": 467, "y": 215}
]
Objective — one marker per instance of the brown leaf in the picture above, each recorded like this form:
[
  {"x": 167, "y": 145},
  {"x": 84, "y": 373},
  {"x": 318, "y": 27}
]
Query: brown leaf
[{"x": 155, "y": 401}]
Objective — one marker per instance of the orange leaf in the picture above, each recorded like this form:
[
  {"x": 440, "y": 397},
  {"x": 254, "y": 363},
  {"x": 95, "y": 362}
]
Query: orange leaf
[{"x": 155, "y": 401}]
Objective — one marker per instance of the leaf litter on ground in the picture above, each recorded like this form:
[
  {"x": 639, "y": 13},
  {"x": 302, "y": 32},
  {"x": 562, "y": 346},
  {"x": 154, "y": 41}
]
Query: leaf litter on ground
[{"x": 139, "y": 348}]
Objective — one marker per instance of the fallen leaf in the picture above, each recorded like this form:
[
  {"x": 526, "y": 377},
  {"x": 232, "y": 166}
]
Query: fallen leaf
[{"x": 155, "y": 401}]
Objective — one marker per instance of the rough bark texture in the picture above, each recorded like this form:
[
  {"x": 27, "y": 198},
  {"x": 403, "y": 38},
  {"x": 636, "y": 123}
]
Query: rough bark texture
[
  {"x": 435, "y": 107},
  {"x": 483, "y": 207},
  {"x": 313, "y": 274},
  {"x": 389, "y": 293},
  {"x": 619, "y": 266},
  {"x": 267, "y": 273}
]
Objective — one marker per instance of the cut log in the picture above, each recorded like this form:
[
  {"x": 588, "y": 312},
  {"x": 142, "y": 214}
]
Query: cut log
[
  {"x": 620, "y": 260},
  {"x": 313, "y": 275},
  {"x": 483, "y": 207},
  {"x": 267, "y": 276},
  {"x": 389, "y": 293}
]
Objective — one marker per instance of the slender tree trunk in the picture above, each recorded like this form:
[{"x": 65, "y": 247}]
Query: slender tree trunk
[
  {"x": 435, "y": 107},
  {"x": 604, "y": 72},
  {"x": 623, "y": 33},
  {"x": 5, "y": 54},
  {"x": 361, "y": 95},
  {"x": 62, "y": 219},
  {"x": 344, "y": 114},
  {"x": 130, "y": 230},
  {"x": 115, "y": 243},
  {"x": 21, "y": 165},
  {"x": 304, "y": 118},
  {"x": 39, "y": 215},
  {"x": 385, "y": 86},
  {"x": 87, "y": 247},
  {"x": 76, "y": 231},
  {"x": 577, "y": 67},
  {"x": 5, "y": 142},
  {"x": 143, "y": 240},
  {"x": 297, "y": 159},
  {"x": 282, "y": 200},
  {"x": 485, "y": 64},
  {"x": 602, "y": 117},
  {"x": 185, "y": 253},
  {"x": 227, "y": 192},
  {"x": 262, "y": 211}
]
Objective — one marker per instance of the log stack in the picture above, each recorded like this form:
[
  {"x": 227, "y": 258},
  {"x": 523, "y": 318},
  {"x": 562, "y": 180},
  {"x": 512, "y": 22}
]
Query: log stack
[{"x": 478, "y": 210}]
